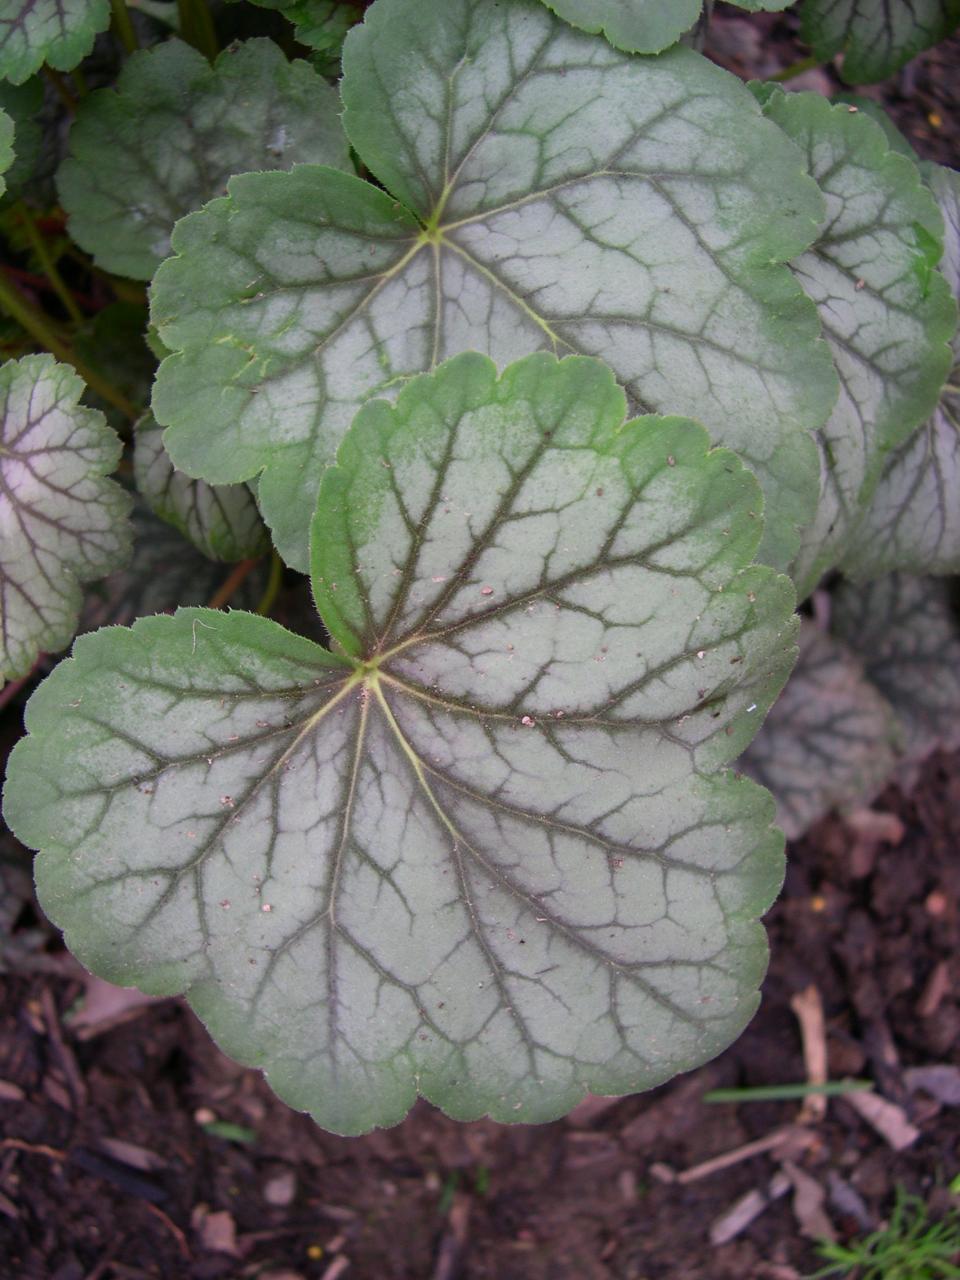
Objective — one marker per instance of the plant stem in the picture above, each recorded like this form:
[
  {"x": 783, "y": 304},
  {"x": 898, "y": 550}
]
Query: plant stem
[
  {"x": 196, "y": 27},
  {"x": 10, "y": 691},
  {"x": 40, "y": 248},
  {"x": 273, "y": 586},
  {"x": 58, "y": 82},
  {"x": 40, "y": 329},
  {"x": 224, "y": 594},
  {"x": 123, "y": 26},
  {"x": 80, "y": 81},
  {"x": 795, "y": 69}
]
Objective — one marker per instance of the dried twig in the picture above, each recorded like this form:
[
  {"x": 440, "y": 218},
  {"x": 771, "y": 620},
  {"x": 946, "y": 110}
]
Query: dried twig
[{"x": 808, "y": 1008}]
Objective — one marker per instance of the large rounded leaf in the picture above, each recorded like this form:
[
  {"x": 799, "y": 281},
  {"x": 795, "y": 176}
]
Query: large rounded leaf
[
  {"x": 174, "y": 130},
  {"x": 876, "y": 37},
  {"x": 546, "y": 191},
  {"x": 913, "y": 519},
  {"x": 60, "y": 32},
  {"x": 887, "y": 314},
  {"x": 61, "y": 522},
  {"x": 489, "y": 854}
]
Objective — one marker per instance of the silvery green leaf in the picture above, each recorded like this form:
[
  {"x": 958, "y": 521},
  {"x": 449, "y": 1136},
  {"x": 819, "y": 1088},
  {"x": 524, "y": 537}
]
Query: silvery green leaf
[
  {"x": 887, "y": 313},
  {"x": 544, "y": 191},
  {"x": 62, "y": 523},
  {"x": 486, "y": 850},
  {"x": 222, "y": 521},
  {"x": 58, "y": 32},
  {"x": 642, "y": 26},
  {"x": 913, "y": 520},
  {"x": 830, "y": 741},
  {"x": 174, "y": 130},
  {"x": 906, "y": 631},
  {"x": 876, "y": 37}
]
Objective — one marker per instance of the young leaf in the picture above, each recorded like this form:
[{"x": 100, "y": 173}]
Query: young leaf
[
  {"x": 60, "y": 32},
  {"x": 829, "y": 742},
  {"x": 222, "y": 521},
  {"x": 174, "y": 130},
  {"x": 642, "y": 26},
  {"x": 913, "y": 520},
  {"x": 487, "y": 850},
  {"x": 887, "y": 314},
  {"x": 876, "y": 37},
  {"x": 555, "y": 194},
  {"x": 63, "y": 523},
  {"x": 906, "y": 630}
]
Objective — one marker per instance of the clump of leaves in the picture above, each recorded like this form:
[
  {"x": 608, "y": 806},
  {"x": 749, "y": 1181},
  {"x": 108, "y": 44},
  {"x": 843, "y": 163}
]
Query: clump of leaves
[
  {"x": 557, "y": 405},
  {"x": 493, "y": 816},
  {"x": 908, "y": 1247}
]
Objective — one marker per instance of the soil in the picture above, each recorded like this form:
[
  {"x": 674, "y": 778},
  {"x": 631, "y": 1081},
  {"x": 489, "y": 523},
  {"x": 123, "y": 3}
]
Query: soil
[{"x": 114, "y": 1161}]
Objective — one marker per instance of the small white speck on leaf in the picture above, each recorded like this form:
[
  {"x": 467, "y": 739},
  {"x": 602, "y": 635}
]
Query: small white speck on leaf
[
  {"x": 528, "y": 721},
  {"x": 486, "y": 591},
  {"x": 438, "y": 578},
  {"x": 701, "y": 653},
  {"x": 266, "y": 907}
]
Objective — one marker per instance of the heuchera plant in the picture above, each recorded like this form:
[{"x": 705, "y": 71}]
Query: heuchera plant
[{"x": 563, "y": 364}]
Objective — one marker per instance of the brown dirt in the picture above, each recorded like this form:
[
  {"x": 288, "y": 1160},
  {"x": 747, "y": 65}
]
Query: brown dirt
[{"x": 876, "y": 930}]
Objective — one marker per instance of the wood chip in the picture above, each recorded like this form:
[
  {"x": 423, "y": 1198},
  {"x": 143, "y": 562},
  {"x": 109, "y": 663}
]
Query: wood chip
[
  {"x": 889, "y": 1120},
  {"x": 281, "y": 1189},
  {"x": 336, "y": 1268},
  {"x": 745, "y": 1210},
  {"x": 131, "y": 1154},
  {"x": 808, "y": 1008},
  {"x": 808, "y": 1198},
  {"x": 935, "y": 989},
  {"x": 10, "y": 1092},
  {"x": 941, "y": 1081},
  {"x": 217, "y": 1232},
  {"x": 848, "y": 1201}
]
